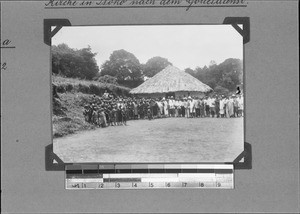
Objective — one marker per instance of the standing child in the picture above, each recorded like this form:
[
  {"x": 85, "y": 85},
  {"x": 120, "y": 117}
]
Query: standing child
[
  {"x": 124, "y": 116},
  {"x": 135, "y": 109},
  {"x": 102, "y": 119},
  {"x": 115, "y": 115},
  {"x": 221, "y": 107},
  {"x": 106, "y": 112},
  {"x": 149, "y": 113},
  {"x": 119, "y": 115}
]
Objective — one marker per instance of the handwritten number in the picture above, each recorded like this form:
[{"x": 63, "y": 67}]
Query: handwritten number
[
  {"x": 184, "y": 184},
  {"x": 202, "y": 184},
  {"x": 118, "y": 185},
  {"x": 3, "y": 66},
  {"x": 151, "y": 184},
  {"x": 101, "y": 185},
  {"x": 168, "y": 185},
  {"x": 134, "y": 184}
]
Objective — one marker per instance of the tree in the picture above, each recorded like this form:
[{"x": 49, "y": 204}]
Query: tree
[
  {"x": 232, "y": 73},
  {"x": 74, "y": 63},
  {"x": 191, "y": 72},
  {"x": 221, "y": 90},
  {"x": 155, "y": 65},
  {"x": 227, "y": 75},
  {"x": 212, "y": 63},
  {"x": 122, "y": 65}
]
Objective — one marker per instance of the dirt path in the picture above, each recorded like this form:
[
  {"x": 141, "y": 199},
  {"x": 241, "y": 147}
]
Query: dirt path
[{"x": 160, "y": 140}]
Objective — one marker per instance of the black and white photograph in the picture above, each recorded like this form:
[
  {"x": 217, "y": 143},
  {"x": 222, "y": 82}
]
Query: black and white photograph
[
  {"x": 133, "y": 106},
  {"x": 148, "y": 94}
]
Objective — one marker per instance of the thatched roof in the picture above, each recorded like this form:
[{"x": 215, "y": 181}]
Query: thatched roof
[{"x": 171, "y": 79}]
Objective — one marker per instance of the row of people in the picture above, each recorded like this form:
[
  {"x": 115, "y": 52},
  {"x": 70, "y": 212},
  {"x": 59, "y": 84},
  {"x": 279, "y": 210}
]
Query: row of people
[
  {"x": 103, "y": 116},
  {"x": 109, "y": 110}
]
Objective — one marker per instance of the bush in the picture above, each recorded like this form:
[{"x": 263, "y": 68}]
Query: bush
[
  {"x": 130, "y": 83},
  {"x": 107, "y": 79},
  {"x": 64, "y": 85},
  {"x": 94, "y": 89},
  {"x": 58, "y": 108},
  {"x": 60, "y": 89},
  {"x": 84, "y": 89},
  {"x": 69, "y": 87},
  {"x": 67, "y": 114}
]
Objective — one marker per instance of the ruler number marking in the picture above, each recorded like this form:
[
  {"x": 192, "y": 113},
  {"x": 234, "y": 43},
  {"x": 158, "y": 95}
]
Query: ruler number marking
[
  {"x": 75, "y": 185},
  {"x": 220, "y": 181}
]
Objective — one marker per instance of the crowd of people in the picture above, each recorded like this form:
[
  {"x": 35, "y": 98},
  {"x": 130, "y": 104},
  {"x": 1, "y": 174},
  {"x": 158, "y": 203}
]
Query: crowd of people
[{"x": 110, "y": 110}]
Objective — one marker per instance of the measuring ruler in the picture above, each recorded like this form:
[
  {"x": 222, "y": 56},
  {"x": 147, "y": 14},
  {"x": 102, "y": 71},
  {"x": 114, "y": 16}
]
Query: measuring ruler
[{"x": 149, "y": 176}]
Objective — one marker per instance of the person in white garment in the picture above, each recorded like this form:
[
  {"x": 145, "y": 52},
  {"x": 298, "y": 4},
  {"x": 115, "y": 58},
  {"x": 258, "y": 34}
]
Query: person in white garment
[
  {"x": 189, "y": 107},
  {"x": 212, "y": 106},
  {"x": 165, "y": 103},
  {"x": 240, "y": 105},
  {"x": 192, "y": 107},
  {"x": 160, "y": 108},
  {"x": 226, "y": 109},
  {"x": 176, "y": 106},
  {"x": 207, "y": 103},
  {"x": 222, "y": 102},
  {"x": 172, "y": 107}
]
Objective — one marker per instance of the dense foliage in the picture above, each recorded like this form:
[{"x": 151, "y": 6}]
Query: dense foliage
[
  {"x": 122, "y": 65},
  {"x": 106, "y": 79},
  {"x": 74, "y": 63},
  {"x": 124, "y": 68},
  {"x": 155, "y": 65},
  {"x": 226, "y": 75}
]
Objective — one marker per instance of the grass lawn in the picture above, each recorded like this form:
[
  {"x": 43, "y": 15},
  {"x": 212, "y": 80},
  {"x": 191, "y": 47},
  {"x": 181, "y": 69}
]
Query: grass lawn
[{"x": 160, "y": 140}]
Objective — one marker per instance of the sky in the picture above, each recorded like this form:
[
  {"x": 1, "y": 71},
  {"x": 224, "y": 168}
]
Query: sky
[{"x": 185, "y": 46}]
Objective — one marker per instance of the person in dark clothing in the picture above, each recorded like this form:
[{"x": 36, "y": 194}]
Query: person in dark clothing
[
  {"x": 153, "y": 108},
  {"x": 115, "y": 115},
  {"x": 86, "y": 113},
  {"x": 106, "y": 112},
  {"x": 217, "y": 107},
  {"x": 141, "y": 110},
  {"x": 183, "y": 111},
  {"x": 207, "y": 109},
  {"x": 119, "y": 115},
  {"x": 149, "y": 114},
  {"x": 202, "y": 108},
  {"x": 123, "y": 116}
]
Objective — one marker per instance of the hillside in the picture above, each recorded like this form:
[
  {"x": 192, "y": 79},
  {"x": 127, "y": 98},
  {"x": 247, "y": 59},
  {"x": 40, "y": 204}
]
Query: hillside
[
  {"x": 68, "y": 102},
  {"x": 64, "y": 84}
]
